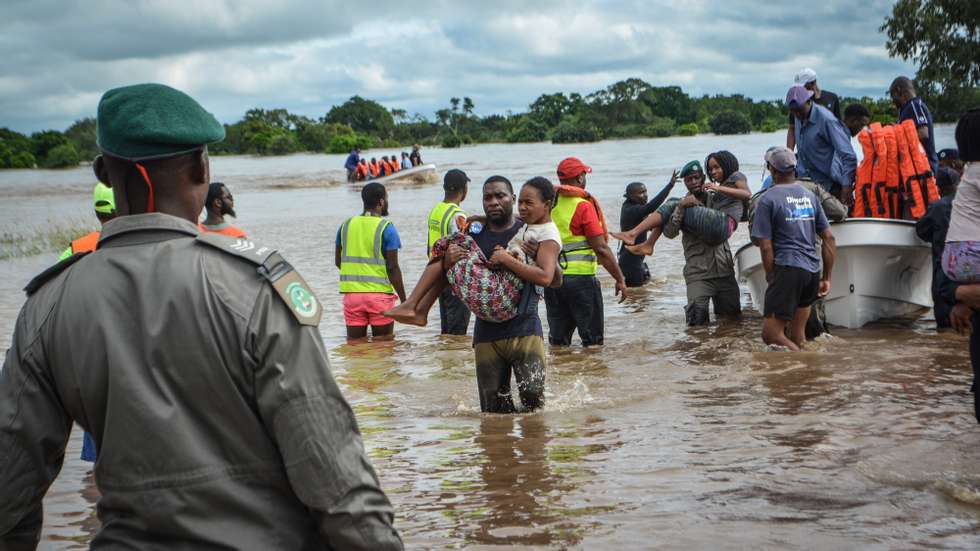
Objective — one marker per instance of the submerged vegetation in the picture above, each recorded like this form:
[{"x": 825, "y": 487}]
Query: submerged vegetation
[
  {"x": 630, "y": 108},
  {"x": 52, "y": 237}
]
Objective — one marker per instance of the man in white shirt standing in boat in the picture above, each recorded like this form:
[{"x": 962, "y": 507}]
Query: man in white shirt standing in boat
[{"x": 787, "y": 220}]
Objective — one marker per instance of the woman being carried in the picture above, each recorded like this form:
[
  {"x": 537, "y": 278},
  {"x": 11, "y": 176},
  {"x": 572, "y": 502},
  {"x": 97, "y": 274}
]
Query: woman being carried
[
  {"x": 961, "y": 256},
  {"x": 491, "y": 289},
  {"x": 716, "y": 224}
]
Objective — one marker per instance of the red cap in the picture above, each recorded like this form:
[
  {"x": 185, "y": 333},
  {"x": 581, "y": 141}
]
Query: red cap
[{"x": 572, "y": 167}]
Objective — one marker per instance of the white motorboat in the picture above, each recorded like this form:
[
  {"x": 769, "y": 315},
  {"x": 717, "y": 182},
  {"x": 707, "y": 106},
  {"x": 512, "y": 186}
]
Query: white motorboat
[
  {"x": 882, "y": 271},
  {"x": 417, "y": 174}
]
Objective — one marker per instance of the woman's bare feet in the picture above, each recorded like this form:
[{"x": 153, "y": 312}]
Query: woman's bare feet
[
  {"x": 405, "y": 313},
  {"x": 643, "y": 249},
  {"x": 624, "y": 236}
]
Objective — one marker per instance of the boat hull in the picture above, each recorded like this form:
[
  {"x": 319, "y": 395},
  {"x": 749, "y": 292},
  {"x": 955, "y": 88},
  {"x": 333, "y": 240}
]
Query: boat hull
[
  {"x": 419, "y": 174},
  {"x": 882, "y": 271}
]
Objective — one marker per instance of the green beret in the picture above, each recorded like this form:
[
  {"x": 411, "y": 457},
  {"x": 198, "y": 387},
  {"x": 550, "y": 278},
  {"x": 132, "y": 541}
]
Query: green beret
[
  {"x": 152, "y": 121},
  {"x": 691, "y": 168}
]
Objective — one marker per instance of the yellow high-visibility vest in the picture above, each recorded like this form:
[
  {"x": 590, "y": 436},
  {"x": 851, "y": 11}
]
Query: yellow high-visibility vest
[
  {"x": 440, "y": 219},
  {"x": 362, "y": 263},
  {"x": 581, "y": 259}
]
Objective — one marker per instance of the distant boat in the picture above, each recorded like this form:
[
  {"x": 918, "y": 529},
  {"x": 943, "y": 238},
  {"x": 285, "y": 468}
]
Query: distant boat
[
  {"x": 416, "y": 174},
  {"x": 882, "y": 271}
]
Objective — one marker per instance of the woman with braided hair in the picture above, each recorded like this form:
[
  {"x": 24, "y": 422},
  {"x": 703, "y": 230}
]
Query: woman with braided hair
[{"x": 716, "y": 224}]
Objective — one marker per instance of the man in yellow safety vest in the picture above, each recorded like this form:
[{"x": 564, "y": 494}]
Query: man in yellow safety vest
[
  {"x": 446, "y": 219},
  {"x": 578, "y": 302},
  {"x": 367, "y": 256}
]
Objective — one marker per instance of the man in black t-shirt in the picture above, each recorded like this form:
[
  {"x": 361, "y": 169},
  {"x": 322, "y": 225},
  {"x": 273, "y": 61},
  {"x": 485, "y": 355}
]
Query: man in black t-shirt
[
  {"x": 808, "y": 78},
  {"x": 515, "y": 345}
]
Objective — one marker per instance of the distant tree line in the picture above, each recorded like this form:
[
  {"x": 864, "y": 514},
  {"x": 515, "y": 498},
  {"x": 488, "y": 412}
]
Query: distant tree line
[{"x": 627, "y": 109}]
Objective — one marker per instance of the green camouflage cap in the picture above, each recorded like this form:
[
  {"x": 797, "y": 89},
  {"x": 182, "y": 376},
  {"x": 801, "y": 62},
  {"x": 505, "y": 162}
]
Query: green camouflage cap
[
  {"x": 146, "y": 121},
  {"x": 691, "y": 168}
]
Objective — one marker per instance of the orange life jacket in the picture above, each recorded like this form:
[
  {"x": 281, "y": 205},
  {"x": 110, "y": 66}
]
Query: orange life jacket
[
  {"x": 375, "y": 169},
  {"x": 385, "y": 167},
  {"x": 229, "y": 230},
  {"x": 85, "y": 243},
  {"x": 395, "y": 165},
  {"x": 864, "y": 205},
  {"x": 920, "y": 183},
  {"x": 878, "y": 172},
  {"x": 362, "y": 170},
  {"x": 893, "y": 176}
]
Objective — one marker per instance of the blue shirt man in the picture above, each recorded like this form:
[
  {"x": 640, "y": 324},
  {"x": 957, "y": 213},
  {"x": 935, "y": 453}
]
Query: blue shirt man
[
  {"x": 351, "y": 164},
  {"x": 823, "y": 144},
  {"x": 911, "y": 106}
]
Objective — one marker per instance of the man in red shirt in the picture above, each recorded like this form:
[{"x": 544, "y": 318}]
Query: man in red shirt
[{"x": 578, "y": 302}]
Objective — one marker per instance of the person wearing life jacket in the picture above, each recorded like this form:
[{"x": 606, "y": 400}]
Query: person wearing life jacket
[
  {"x": 105, "y": 210},
  {"x": 362, "y": 170},
  {"x": 374, "y": 168},
  {"x": 386, "y": 168},
  {"x": 912, "y": 107},
  {"x": 447, "y": 218},
  {"x": 393, "y": 161},
  {"x": 219, "y": 204},
  {"x": 577, "y": 304},
  {"x": 367, "y": 257},
  {"x": 823, "y": 145}
]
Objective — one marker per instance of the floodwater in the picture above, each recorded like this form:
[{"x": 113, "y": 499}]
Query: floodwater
[{"x": 664, "y": 438}]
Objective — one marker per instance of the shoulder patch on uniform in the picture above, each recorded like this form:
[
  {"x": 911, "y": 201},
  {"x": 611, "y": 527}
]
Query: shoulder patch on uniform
[
  {"x": 45, "y": 276},
  {"x": 240, "y": 247},
  {"x": 288, "y": 284}
]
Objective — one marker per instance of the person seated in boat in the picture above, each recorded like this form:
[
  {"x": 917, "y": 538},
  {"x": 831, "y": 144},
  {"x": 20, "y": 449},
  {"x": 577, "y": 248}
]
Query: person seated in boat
[
  {"x": 950, "y": 158},
  {"x": 393, "y": 161},
  {"x": 374, "y": 168},
  {"x": 416, "y": 155},
  {"x": 961, "y": 257},
  {"x": 491, "y": 288},
  {"x": 406, "y": 162},
  {"x": 386, "y": 169},
  {"x": 362, "y": 170},
  {"x": 730, "y": 190}
]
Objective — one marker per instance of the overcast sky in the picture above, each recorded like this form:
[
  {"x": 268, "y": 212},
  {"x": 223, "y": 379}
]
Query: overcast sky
[{"x": 58, "y": 57}]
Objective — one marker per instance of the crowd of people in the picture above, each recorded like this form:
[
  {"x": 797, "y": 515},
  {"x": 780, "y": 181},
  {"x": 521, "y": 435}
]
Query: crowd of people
[
  {"x": 224, "y": 412},
  {"x": 360, "y": 169}
]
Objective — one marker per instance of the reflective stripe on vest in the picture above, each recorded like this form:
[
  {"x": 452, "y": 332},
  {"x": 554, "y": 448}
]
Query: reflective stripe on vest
[
  {"x": 362, "y": 263},
  {"x": 579, "y": 255},
  {"x": 439, "y": 218}
]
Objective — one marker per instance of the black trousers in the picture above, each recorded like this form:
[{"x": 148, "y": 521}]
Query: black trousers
[
  {"x": 454, "y": 316},
  {"x": 577, "y": 304}
]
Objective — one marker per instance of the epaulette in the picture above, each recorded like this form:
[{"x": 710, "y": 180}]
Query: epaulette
[
  {"x": 289, "y": 285},
  {"x": 45, "y": 276}
]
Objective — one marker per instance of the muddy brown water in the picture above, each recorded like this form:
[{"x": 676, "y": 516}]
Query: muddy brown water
[{"x": 664, "y": 438}]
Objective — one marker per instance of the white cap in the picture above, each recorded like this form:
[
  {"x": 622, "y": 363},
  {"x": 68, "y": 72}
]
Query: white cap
[{"x": 806, "y": 76}]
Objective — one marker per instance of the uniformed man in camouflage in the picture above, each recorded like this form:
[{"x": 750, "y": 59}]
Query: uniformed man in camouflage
[{"x": 194, "y": 360}]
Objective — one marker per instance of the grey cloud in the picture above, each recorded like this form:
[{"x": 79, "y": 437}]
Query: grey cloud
[{"x": 308, "y": 55}]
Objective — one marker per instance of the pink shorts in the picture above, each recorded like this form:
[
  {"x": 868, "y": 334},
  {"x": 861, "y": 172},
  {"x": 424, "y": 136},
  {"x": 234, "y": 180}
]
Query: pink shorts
[{"x": 363, "y": 309}]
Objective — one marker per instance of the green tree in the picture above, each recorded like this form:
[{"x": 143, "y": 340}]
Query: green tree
[
  {"x": 529, "y": 130},
  {"x": 730, "y": 122},
  {"x": 81, "y": 134},
  {"x": 941, "y": 36},
  {"x": 62, "y": 156},
  {"x": 45, "y": 141},
  {"x": 548, "y": 109},
  {"x": 363, "y": 115}
]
